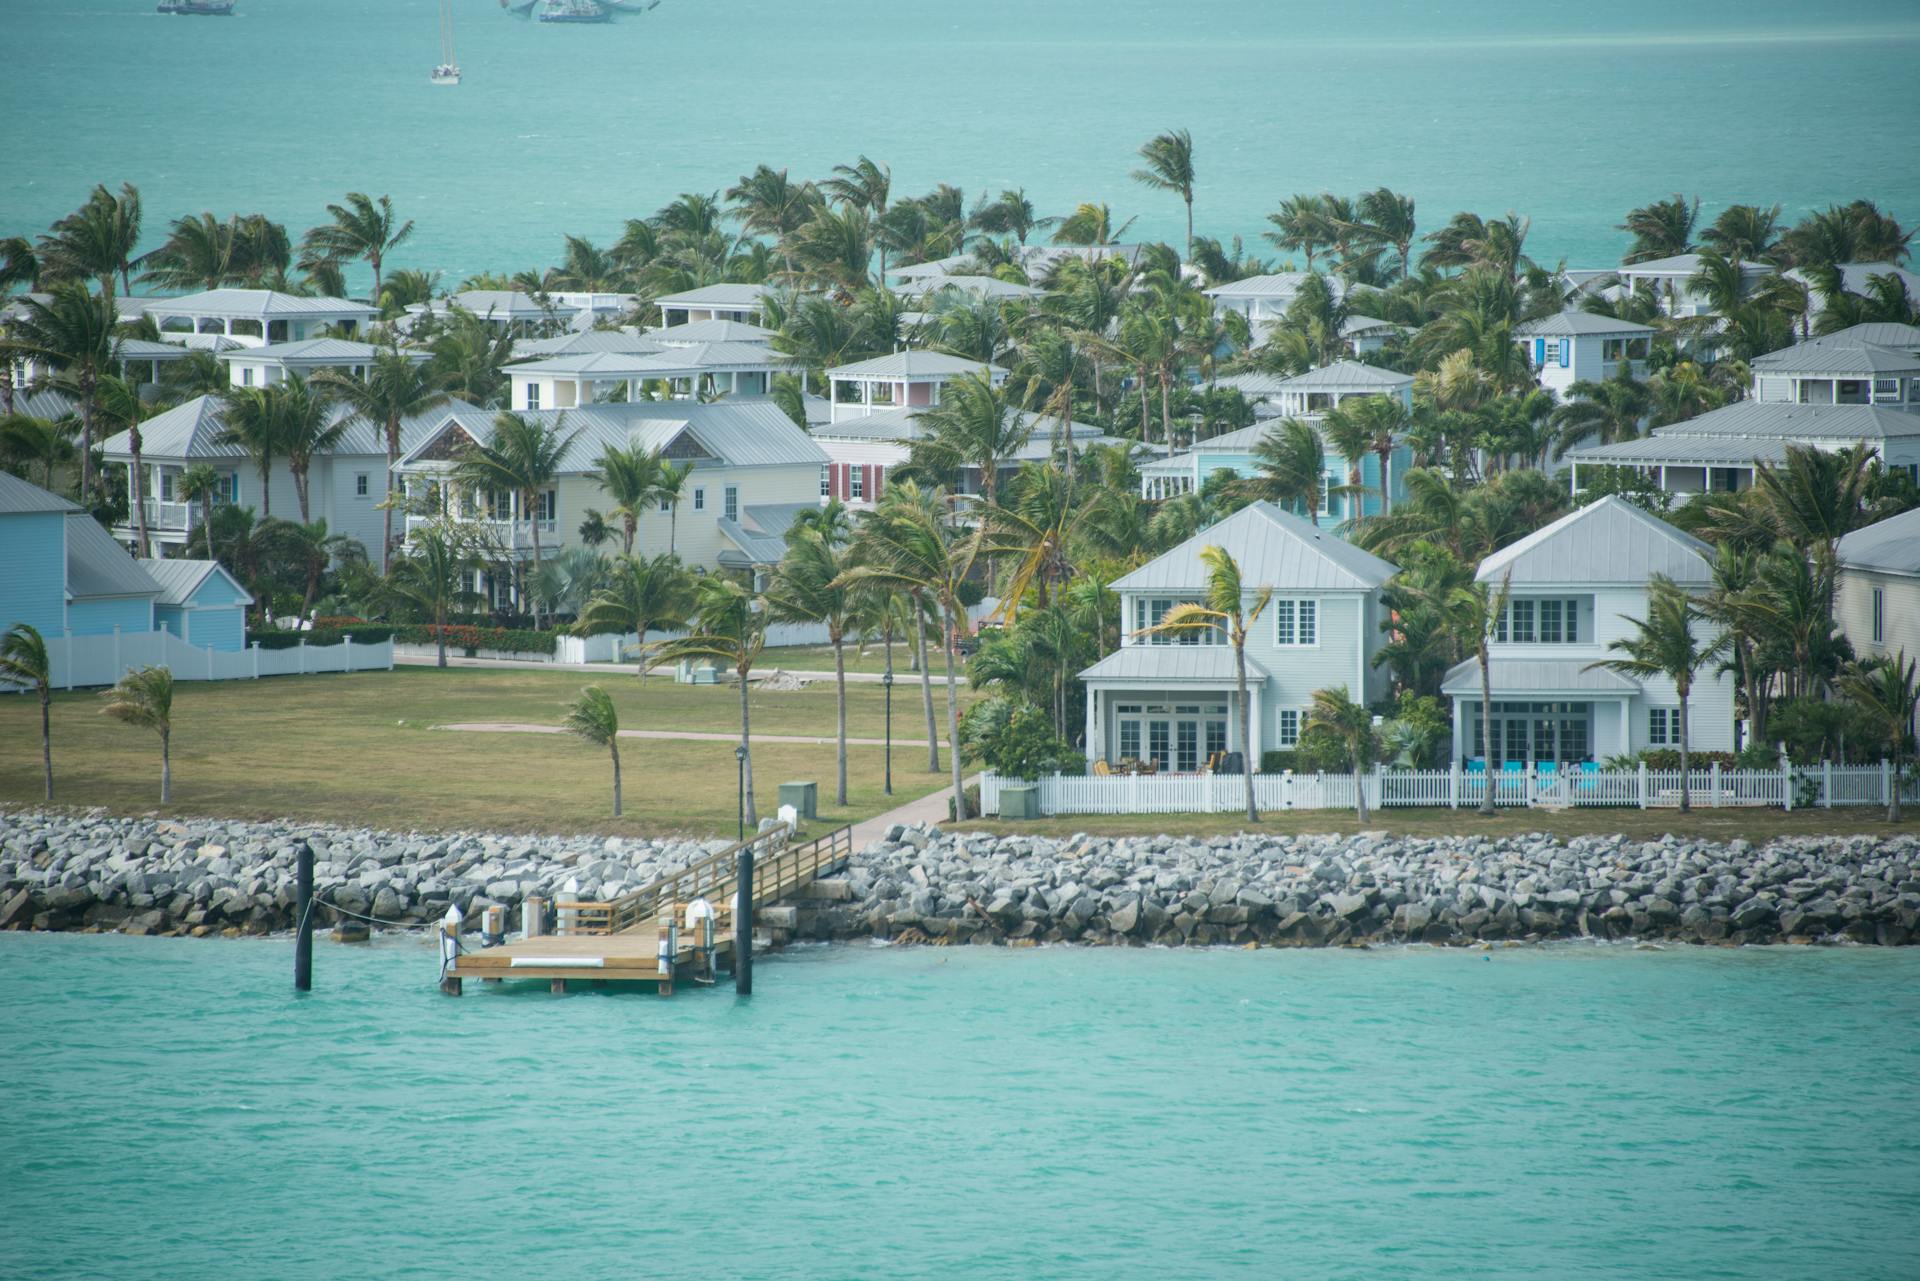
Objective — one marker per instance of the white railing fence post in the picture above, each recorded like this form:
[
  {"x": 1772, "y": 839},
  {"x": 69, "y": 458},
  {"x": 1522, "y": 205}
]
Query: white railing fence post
[
  {"x": 1713, "y": 773},
  {"x": 255, "y": 647},
  {"x": 68, "y": 638},
  {"x": 1643, "y": 785},
  {"x": 347, "y": 662},
  {"x": 303, "y": 656},
  {"x": 1886, "y": 781},
  {"x": 1453, "y": 785},
  {"x": 1786, "y": 783},
  {"x": 1826, "y": 784}
]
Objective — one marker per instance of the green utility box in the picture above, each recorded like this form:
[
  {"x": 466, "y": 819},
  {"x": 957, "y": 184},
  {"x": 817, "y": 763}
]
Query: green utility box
[
  {"x": 804, "y": 797},
  {"x": 1019, "y": 800}
]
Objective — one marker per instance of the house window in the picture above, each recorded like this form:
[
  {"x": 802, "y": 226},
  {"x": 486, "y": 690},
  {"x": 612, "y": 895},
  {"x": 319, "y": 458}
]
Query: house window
[
  {"x": 166, "y": 489},
  {"x": 547, "y": 504},
  {"x": 856, "y": 482},
  {"x": 1296, "y": 622},
  {"x": 1879, "y": 616},
  {"x": 1663, "y": 726},
  {"x": 1326, "y": 492},
  {"x": 246, "y": 375},
  {"x": 1550, "y": 352},
  {"x": 360, "y": 484},
  {"x": 699, "y": 499},
  {"x": 1130, "y": 740},
  {"x": 1150, "y": 611},
  {"x": 1289, "y": 727},
  {"x": 1528, "y": 621},
  {"x": 826, "y": 481},
  {"x": 1520, "y": 622},
  {"x": 231, "y": 483},
  {"x": 730, "y": 502},
  {"x": 533, "y": 395}
]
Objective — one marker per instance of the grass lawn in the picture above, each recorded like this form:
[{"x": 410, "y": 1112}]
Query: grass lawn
[
  {"x": 359, "y": 749},
  {"x": 819, "y": 658},
  {"x": 1720, "y": 825}
]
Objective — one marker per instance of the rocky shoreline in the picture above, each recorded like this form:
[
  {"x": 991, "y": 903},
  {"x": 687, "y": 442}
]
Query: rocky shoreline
[{"x": 90, "y": 871}]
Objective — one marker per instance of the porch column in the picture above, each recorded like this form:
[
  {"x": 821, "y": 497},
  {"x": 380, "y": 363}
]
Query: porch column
[
  {"x": 1096, "y": 742},
  {"x": 1460, "y": 729},
  {"x": 1253, "y": 723},
  {"x": 1626, "y": 727}
]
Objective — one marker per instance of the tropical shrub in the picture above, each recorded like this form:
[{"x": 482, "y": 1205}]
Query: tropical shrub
[{"x": 1016, "y": 740}]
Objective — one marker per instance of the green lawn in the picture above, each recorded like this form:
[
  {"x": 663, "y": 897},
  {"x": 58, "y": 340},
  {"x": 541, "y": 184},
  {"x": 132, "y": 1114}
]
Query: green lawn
[
  {"x": 819, "y": 658},
  {"x": 1721, "y": 825},
  {"x": 360, "y": 749}
]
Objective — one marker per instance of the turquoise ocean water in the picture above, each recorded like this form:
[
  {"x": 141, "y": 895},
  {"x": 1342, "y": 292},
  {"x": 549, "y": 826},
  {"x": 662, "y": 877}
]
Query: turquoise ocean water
[
  {"x": 173, "y": 1110},
  {"x": 1570, "y": 113}
]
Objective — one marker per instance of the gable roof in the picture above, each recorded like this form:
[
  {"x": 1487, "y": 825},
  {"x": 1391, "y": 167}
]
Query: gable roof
[
  {"x": 503, "y": 304},
  {"x": 1203, "y": 665},
  {"x": 702, "y": 331},
  {"x": 178, "y": 579},
  {"x": 1577, "y": 323},
  {"x": 19, "y": 498},
  {"x": 1882, "y": 333},
  {"x": 672, "y": 358},
  {"x": 1608, "y": 541},
  {"x": 1855, "y": 277},
  {"x": 192, "y": 429},
  {"x": 761, "y": 533},
  {"x": 744, "y": 431},
  {"x": 1278, "y": 284},
  {"x": 317, "y": 351},
  {"x": 587, "y": 341},
  {"x": 1785, "y": 419},
  {"x": 980, "y": 286},
  {"x": 1273, "y": 549},
  {"x": 1891, "y": 545},
  {"x": 98, "y": 566},
  {"x": 1684, "y": 265},
  {"x": 256, "y": 302},
  {"x": 1835, "y": 354},
  {"x": 913, "y": 363},
  {"x": 1347, "y": 373}
]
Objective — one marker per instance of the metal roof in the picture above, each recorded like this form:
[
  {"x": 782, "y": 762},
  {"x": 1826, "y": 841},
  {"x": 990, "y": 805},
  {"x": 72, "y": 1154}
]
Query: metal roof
[
  {"x": 1684, "y": 449},
  {"x": 981, "y": 287},
  {"x": 744, "y": 431},
  {"x": 913, "y": 364},
  {"x": 701, "y": 331},
  {"x": 1253, "y": 385},
  {"x": 1882, "y": 333},
  {"x": 504, "y": 304},
  {"x": 1347, "y": 373},
  {"x": 19, "y": 498},
  {"x": 1835, "y": 355},
  {"x": 1856, "y": 276},
  {"x": 1353, "y": 326},
  {"x": 1509, "y": 676},
  {"x": 1273, "y": 549},
  {"x": 1279, "y": 284},
  {"x": 744, "y": 356},
  {"x": 254, "y": 303},
  {"x": 761, "y": 534},
  {"x": 1608, "y": 541},
  {"x": 601, "y": 364},
  {"x": 179, "y": 579},
  {"x": 902, "y": 424},
  {"x": 1579, "y": 323},
  {"x": 192, "y": 429},
  {"x": 1173, "y": 665},
  {"x": 1891, "y": 546},
  {"x": 142, "y": 349},
  {"x": 314, "y": 351},
  {"x": 1808, "y": 422},
  {"x": 98, "y": 566},
  {"x": 1684, "y": 265},
  {"x": 734, "y": 297},
  {"x": 587, "y": 341}
]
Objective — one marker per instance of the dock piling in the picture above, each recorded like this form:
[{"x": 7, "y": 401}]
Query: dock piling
[
  {"x": 743, "y": 925},
  {"x": 303, "y": 913}
]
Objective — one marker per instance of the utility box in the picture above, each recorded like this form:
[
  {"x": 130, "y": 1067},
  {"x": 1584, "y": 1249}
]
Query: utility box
[
  {"x": 1019, "y": 800},
  {"x": 803, "y": 797}
]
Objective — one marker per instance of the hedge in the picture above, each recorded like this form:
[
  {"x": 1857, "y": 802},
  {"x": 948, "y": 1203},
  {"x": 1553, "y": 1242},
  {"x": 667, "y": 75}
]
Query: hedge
[
  {"x": 319, "y": 637},
  {"x": 464, "y": 637}
]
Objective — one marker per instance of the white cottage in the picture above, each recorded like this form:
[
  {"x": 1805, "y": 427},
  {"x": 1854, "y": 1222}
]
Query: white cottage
[
  {"x": 1575, "y": 587},
  {"x": 1582, "y": 346},
  {"x": 905, "y": 379},
  {"x": 1840, "y": 369},
  {"x": 1173, "y": 699},
  {"x": 256, "y": 317}
]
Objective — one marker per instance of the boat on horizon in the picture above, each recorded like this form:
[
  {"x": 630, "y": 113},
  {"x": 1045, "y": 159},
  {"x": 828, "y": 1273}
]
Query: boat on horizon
[
  {"x": 578, "y": 11},
  {"x": 631, "y": 6},
  {"x": 448, "y": 72},
  {"x": 204, "y": 8}
]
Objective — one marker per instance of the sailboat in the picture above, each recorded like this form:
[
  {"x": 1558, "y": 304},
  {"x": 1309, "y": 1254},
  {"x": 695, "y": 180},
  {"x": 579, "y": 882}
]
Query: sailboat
[
  {"x": 448, "y": 72},
  {"x": 573, "y": 11}
]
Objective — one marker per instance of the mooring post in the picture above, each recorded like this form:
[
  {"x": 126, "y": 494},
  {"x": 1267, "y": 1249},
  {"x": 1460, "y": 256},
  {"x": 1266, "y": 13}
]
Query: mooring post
[
  {"x": 303, "y": 914},
  {"x": 533, "y": 916},
  {"x": 743, "y": 925},
  {"x": 493, "y": 926},
  {"x": 450, "y": 950}
]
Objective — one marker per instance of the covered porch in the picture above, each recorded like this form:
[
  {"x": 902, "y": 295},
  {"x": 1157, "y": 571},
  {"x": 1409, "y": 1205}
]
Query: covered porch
[
  {"x": 1171, "y": 709},
  {"x": 1545, "y": 712}
]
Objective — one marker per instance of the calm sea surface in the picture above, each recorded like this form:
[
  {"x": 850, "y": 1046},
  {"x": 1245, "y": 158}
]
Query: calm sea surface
[
  {"x": 1570, "y": 113},
  {"x": 171, "y": 1109}
]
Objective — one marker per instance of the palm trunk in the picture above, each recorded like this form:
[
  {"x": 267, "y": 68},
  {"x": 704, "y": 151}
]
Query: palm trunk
[
  {"x": 1486, "y": 726},
  {"x": 673, "y": 530},
  {"x": 533, "y": 527},
  {"x": 615, "y": 749},
  {"x": 300, "y": 489},
  {"x": 46, "y": 736},
  {"x": 440, "y": 633},
  {"x": 1246, "y": 727},
  {"x": 840, "y": 689},
  {"x": 1686, "y": 791},
  {"x": 746, "y": 745},
  {"x": 953, "y": 719},
  {"x": 926, "y": 685},
  {"x": 1166, "y": 412},
  {"x": 1386, "y": 482},
  {"x": 266, "y": 488},
  {"x": 166, "y": 766},
  {"x": 1359, "y": 789},
  {"x": 137, "y": 492},
  {"x": 386, "y": 510}
]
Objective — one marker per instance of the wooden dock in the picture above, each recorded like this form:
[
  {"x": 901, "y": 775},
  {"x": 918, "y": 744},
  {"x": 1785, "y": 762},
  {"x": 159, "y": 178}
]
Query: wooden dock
[{"x": 648, "y": 936}]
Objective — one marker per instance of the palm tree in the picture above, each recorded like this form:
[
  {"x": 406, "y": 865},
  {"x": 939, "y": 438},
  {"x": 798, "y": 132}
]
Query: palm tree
[
  {"x": 1735, "y": 605},
  {"x": 631, "y": 477},
  {"x": 121, "y": 407},
  {"x": 96, "y": 241},
  {"x": 24, "y": 662},
  {"x": 730, "y": 625},
  {"x": 808, "y": 586},
  {"x": 1231, "y": 608},
  {"x": 770, "y": 204},
  {"x": 909, "y": 543},
  {"x": 669, "y": 487},
  {"x": 73, "y": 333},
  {"x": 1886, "y": 689},
  {"x": 309, "y": 426},
  {"x": 361, "y": 228},
  {"x": 432, "y": 577},
  {"x": 1663, "y": 644},
  {"x": 1745, "y": 232},
  {"x": 198, "y": 254},
  {"x": 1090, "y": 224},
  {"x": 592, "y": 719},
  {"x": 1815, "y": 498},
  {"x": 1335, "y": 712},
  {"x": 645, "y": 594},
  {"x": 1169, "y": 167},
  {"x": 144, "y": 699},
  {"x": 1352, "y": 439},
  {"x": 1611, "y": 408},
  {"x": 1288, "y": 463},
  {"x": 310, "y": 548},
  {"x": 200, "y": 484},
  {"x": 1386, "y": 218},
  {"x": 1661, "y": 229},
  {"x": 250, "y": 417},
  {"x": 1474, "y": 613},
  {"x": 1301, "y": 224},
  {"x": 974, "y": 425},
  {"x": 396, "y": 387},
  {"x": 524, "y": 458},
  {"x": 834, "y": 248},
  {"x": 1011, "y": 213},
  {"x": 26, "y": 441}
]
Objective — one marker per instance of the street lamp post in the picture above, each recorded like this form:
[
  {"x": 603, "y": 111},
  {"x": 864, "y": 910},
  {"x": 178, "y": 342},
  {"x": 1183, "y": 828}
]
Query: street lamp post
[
  {"x": 886, "y": 683},
  {"x": 740, "y": 759}
]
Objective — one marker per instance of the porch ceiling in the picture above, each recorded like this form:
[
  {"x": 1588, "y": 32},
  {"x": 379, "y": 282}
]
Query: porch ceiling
[{"x": 1537, "y": 676}]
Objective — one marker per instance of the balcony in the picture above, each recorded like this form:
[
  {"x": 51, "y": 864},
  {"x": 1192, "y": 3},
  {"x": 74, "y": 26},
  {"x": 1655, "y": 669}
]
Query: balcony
[
  {"x": 496, "y": 536},
  {"x": 164, "y": 517}
]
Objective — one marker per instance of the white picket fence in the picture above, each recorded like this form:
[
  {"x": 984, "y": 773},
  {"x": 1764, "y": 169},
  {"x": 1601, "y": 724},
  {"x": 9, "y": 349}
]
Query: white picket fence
[
  {"x": 82, "y": 661},
  {"x": 1822, "y": 786}
]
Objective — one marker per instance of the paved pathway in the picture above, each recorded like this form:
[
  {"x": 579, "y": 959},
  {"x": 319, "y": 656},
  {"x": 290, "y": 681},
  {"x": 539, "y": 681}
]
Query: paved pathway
[{"x": 693, "y": 735}]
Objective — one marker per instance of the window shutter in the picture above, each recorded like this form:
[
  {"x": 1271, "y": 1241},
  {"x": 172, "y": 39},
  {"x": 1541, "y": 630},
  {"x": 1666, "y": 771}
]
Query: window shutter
[
  {"x": 1539, "y": 352},
  {"x": 1566, "y": 352}
]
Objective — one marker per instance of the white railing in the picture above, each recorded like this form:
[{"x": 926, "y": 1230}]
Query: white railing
[
  {"x": 507, "y": 535},
  {"x": 1820, "y": 786},
  {"x": 162, "y": 514},
  {"x": 85, "y": 661}
]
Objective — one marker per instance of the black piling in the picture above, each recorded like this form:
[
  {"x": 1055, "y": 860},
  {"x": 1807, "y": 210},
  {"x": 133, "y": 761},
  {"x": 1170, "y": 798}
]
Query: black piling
[
  {"x": 743, "y": 925},
  {"x": 303, "y": 913}
]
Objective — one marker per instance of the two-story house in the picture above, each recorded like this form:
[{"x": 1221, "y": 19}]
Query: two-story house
[
  {"x": 1265, "y": 298},
  {"x": 711, "y": 368},
  {"x": 1582, "y": 346},
  {"x": 1877, "y": 599},
  {"x": 713, "y": 302},
  {"x": 1173, "y": 699},
  {"x": 904, "y": 380},
  {"x": 265, "y": 366},
  {"x": 1671, "y": 282},
  {"x": 1574, "y": 587},
  {"x": 256, "y": 317},
  {"x": 863, "y": 450},
  {"x": 1840, "y": 369}
]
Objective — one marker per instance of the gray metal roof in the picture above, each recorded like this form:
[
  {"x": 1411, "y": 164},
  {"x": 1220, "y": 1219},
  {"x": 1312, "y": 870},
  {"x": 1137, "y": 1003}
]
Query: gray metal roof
[
  {"x": 254, "y": 303},
  {"x": 702, "y": 331},
  {"x": 98, "y": 566},
  {"x": 1208, "y": 665},
  {"x": 1684, "y": 265},
  {"x": 1354, "y": 325},
  {"x": 179, "y": 579},
  {"x": 1855, "y": 277},
  {"x": 1579, "y": 323},
  {"x": 142, "y": 349},
  {"x": 314, "y": 351},
  {"x": 1273, "y": 549},
  {"x": 1347, "y": 373},
  {"x": 761, "y": 533},
  {"x": 19, "y": 498},
  {"x": 744, "y": 431},
  {"x": 44, "y": 403},
  {"x": 585, "y": 342},
  {"x": 191, "y": 430},
  {"x": 590, "y": 364},
  {"x": 1835, "y": 355},
  {"x": 1891, "y": 546},
  {"x": 1806, "y": 422},
  {"x": 1253, "y": 385},
  {"x": 731, "y": 297},
  {"x": 1684, "y": 449},
  {"x": 1509, "y": 676},
  {"x": 913, "y": 364},
  {"x": 980, "y": 287},
  {"x": 1279, "y": 284},
  {"x": 1608, "y": 541},
  {"x": 1239, "y": 441},
  {"x": 745, "y": 356},
  {"x": 902, "y": 424},
  {"x": 1882, "y": 333}
]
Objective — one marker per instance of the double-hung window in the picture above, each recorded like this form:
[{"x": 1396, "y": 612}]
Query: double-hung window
[
  {"x": 1150, "y": 611},
  {"x": 1289, "y": 735},
  {"x": 1296, "y": 623},
  {"x": 533, "y": 395},
  {"x": 730, "y": 502},
  {"x": 1663, "y": 726},
  {"x": 360, "y": 484},
  {"x": 826, "y": 481},
  {"x": 1531, "y": 621},
  {"x": 699, "y": 499},
  {"x": 857, "y": 482},
  {"x": 1879, "y": 616}
]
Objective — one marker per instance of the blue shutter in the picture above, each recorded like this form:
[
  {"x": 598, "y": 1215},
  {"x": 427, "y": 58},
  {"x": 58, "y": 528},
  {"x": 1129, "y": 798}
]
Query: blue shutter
[
  {"x": 1566, "y": 352},
  {"x": 1539, "y": 352}
]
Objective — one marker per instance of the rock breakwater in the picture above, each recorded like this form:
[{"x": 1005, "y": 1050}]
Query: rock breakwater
[{"x": 152, "y": 876}]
